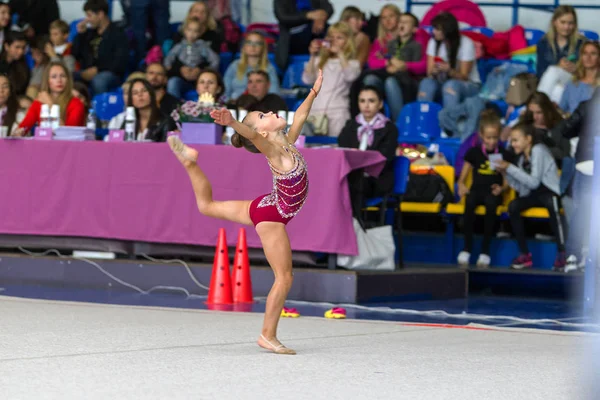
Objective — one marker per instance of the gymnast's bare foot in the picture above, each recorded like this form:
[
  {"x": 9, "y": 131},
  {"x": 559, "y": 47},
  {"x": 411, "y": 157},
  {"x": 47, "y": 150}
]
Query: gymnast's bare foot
[
  {"x": 274, "y": 345},
  {"x": 185, "y": 154}
]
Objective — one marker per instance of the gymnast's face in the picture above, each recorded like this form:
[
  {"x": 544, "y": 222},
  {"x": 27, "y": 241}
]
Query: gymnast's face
[{"x": 267, "y": 122}]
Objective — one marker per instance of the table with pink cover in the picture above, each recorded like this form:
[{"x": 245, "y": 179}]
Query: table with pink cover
[{"x": 140, "y": 192}]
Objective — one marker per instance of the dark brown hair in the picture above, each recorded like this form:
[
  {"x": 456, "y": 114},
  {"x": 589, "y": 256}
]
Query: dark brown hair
[
  {"x": 489, "y": 118},
  {"x": 551, "y": 115},
  {"x": 527, "y": 129},
  {"x": 155, "y": 114},
  {"x": 239, "y": 141},
  {"x": 12, "y": 107}
]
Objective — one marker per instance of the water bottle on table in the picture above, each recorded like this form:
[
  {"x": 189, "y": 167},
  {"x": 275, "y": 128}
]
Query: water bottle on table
[{"x": 130, "y": 124}]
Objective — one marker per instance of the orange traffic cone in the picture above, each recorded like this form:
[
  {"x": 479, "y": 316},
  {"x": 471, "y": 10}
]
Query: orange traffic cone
[
  {"x": 242, "y": 282},
  {"x": 220, "y": 281}
]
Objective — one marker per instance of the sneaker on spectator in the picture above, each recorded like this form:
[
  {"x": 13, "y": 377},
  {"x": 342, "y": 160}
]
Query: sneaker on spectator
[
  {"x": 571, "y": 264},
  {"x": 483, "y": 261},
  {"x": 463, "y": 259},
  {"x": 560, "y": 262},
  {"x": 522, "y": 261}
]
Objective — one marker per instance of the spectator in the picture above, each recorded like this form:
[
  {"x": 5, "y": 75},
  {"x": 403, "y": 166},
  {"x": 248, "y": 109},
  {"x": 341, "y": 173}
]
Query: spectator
[
  {"x": 586, "y": 78},
  {"x": 370, "y": 130},
  {"x": 210, "y": 81},
  {"x": 156, "y": 75},
  {"x": 557, "y": 52},
  {"x": 355, "y": 20},
  {"x": 208, "y": 26},
  {"x": 117, "y": 121},
  {"x": 257, "y": 96},
  {"x": 10, "y": 114},
  {"x": 187, "y": 58},
  {"x": 13, "y": 64},
  {"x": 80, "y": 91},
  {"x": 150, "y": 123},
  {"x": 387, "y": 31},
  {"x": 535, "y": 179},
  {"x": 59, "y": 49},
  {"x": 254, "y": 57},
  {"x": 57, "y": 88},
  {"x": 138, "y": 20},
  {"x": 40, "y": 60},
  {"x": 451, "y": 67},
  {"x": 5, "y": 21},
  {"x": 35, "y": 16},
  {"x": 336, "y": 57},
  {"x": 486, "y": 188},
  {"x": 300, "y": 21},
  {"x": 102, "y": 50}
]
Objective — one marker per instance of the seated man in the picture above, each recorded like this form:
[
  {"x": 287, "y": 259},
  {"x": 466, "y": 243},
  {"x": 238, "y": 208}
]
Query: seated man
[
  {"x": 257, "y": 96},
  {"x": 101, "y": 48},
  {"x": 156, "y": 75}
]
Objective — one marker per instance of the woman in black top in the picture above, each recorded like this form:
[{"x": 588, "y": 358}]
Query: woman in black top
[{"x": 12, "y": 62}]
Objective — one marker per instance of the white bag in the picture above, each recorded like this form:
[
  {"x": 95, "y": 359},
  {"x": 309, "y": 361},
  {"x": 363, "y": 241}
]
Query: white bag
[{"x": 376, "y": 249}]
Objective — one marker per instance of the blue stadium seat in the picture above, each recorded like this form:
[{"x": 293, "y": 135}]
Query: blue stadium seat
[
  {"x": 293, "y": 74},
  {"x": 225, "y": 59},
  {"x": 419, "y": 120},
  {"x": 192, "y": 95},
  {"x": 428, "y": 29},
  {"x": 533, "y": 36},
  {"x": 73, "y": 29},
  {"x": 590, "y": 35},
  {"x": 480, "y": 29},
  {"x": 108, "y": 105}
]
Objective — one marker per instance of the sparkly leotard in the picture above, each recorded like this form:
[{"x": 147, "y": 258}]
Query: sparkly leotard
[{"x": 289, "y": 193}]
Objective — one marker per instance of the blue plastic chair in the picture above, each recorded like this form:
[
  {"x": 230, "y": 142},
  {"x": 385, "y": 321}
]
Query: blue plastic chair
[
  {"x": 225, "y": 59},
  {"x": 419, "y": 121},
  {"x": 191, "y": 95},
  {"x": 293, "y": 74},
  {"x": 590, "y": 35},
  {"x": 480, "y": 29},
  {"x": 73, "y": 29},
  {"x": 533, "y": 36},
  {"x": 108, "y": 105}
]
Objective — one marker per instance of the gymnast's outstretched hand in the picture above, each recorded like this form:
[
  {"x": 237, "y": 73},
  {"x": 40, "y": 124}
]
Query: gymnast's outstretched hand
[{"x": 222, "y": 116}]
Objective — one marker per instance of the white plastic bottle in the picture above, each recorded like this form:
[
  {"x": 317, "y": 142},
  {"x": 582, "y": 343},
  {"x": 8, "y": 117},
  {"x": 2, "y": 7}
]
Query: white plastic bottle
[
  {"x": 45, "y": 116},
  {"x": 130, "y": 124},
  {"x": 54, "y": 116}
]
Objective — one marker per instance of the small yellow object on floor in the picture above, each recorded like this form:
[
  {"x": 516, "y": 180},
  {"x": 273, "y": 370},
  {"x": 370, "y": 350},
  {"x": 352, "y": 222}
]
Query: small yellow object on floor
[
  {"x": 336, "y": 313},
  {"x": 289, "y": 313}
]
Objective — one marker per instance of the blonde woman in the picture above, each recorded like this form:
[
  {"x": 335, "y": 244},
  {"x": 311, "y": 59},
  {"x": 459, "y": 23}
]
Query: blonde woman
[
  {"x": 57, "y": 88},
  {"x": 208, "y": 26},
  {"x": 557, "y": 52},
  {"x": 336, "y": 56},
  {"x": 355, "y": 19},
  {"x": 389, "y": 20},
  {"x": 585, "y": 79},
  {"x": 253, "y": 57}
]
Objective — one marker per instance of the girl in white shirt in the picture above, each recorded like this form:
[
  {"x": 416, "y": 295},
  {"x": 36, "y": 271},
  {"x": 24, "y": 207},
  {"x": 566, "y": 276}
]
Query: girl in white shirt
[{"x": 451, "y": 64}]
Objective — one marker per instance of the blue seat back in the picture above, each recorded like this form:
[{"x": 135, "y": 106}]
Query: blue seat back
[
  {"x": 225, "y": 59},
  {"x": 190, "y": 95},
  {"x": 590, "y": 35},
  {"x": 533, "y": 36},
  {"x": 401, "y": 172},
  {"x": 73, "y": 29},
  {"x": 293, "y": 74},
  {"x": 108, "y": 105},
  {"x": 480, "y": 29},
  {"x": 419, "y": 120}
]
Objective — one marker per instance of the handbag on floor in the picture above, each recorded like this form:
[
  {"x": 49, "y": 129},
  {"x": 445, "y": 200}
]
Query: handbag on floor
[{"x": 376, "y": 249}]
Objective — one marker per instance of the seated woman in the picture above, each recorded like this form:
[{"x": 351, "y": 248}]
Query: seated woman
[
  {"x": 10, "y": 115},
  {"x": 57, "y": 88},
  {"x": 370, "y": 130},
  {"x": 254, "y": 56},
  {"x": 208, "y": 26},
  {"x": 585, "y": 79},
  {"x": 211, "y": 81},
  {"x": 150, "y": 123}
]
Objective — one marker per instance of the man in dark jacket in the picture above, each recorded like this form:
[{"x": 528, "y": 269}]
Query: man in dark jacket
[
  {"x": 300, "y": 21},
  {"x": 35, "y": 15},
  {"x": 101, "y": 48}
]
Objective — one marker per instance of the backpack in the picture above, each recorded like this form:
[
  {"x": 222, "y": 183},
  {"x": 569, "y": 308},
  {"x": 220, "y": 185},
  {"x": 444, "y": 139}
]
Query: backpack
[
  {"x": 427, "y": 186},
  {"x": 232, "y": 34},
  {"x": 521, "y": 88}
]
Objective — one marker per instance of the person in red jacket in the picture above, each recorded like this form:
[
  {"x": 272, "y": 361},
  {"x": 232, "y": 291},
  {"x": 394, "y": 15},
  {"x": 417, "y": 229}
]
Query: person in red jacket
[{"x": 57, "y": 88}]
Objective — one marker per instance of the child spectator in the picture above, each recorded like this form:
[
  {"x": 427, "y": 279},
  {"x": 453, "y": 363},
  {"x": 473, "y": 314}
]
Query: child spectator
[
  {"x": 4, "y": 21},
  {"x": 336, "y": 57},
  {"x": 535, "y": 179},
  {"x": 486, "y": 188},
  {"x": 187, "y": 58},
  {"x": 557, "y": 52},
  {"x": 12, "y": 62},
  {"x": 208, "y": 26},
  {"x": 254, "y": 57},
  {"x": 59, "y": 49},
  {"x": 355, "y": 19},
  {"x": 585, "y": 78},
  {"x": 41, "y": 60},
  {"x": 370, "y": 130}
]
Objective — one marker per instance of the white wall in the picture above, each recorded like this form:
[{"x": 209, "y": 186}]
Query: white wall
[{"x": 499, "y": 18}]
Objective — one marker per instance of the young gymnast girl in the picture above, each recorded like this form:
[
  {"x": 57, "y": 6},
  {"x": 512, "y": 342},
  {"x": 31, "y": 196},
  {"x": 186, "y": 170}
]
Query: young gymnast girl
[{"x": 262, "y": 133}]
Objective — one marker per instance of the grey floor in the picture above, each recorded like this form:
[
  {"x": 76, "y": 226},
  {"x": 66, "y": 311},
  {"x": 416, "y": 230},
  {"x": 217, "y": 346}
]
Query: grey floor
[{"x": 62, "y": 350}]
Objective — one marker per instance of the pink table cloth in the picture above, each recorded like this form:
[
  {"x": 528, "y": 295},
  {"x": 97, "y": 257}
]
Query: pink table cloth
[{"x": 140, "y": 192}]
